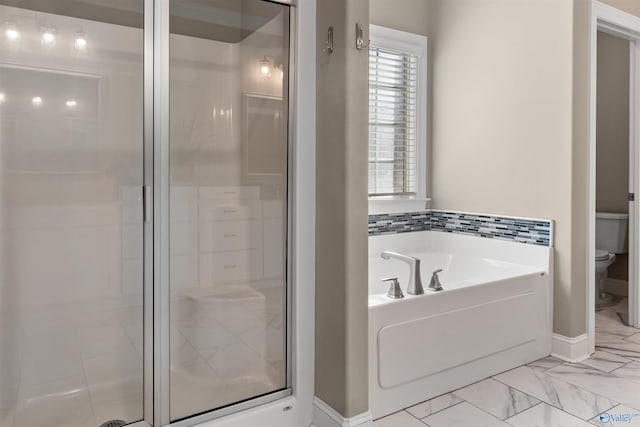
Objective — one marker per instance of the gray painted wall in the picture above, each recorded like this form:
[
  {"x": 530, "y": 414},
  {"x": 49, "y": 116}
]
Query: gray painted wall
[{"x": 341, "y": 375}]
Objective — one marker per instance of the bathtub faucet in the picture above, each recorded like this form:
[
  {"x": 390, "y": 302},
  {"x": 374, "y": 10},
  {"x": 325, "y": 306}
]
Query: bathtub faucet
[
  {"x": 434, "y": 284},
  {"x": 415, "y": 283}
]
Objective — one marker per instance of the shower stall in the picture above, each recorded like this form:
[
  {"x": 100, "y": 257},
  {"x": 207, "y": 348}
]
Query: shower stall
[{"x": 145, "y": 176}]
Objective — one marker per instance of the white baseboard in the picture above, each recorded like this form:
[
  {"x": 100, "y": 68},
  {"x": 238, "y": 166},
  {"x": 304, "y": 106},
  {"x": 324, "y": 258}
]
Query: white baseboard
[
  {"x": 325, "y": 416},
  {"x": 572, "y": 350}
]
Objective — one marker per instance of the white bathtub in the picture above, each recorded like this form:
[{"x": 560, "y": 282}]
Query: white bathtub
[{"x": 495, "y": 313}]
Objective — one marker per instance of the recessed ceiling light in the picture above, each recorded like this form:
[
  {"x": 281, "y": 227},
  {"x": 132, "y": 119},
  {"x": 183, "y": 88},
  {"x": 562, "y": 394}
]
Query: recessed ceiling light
[
  {"x": 80, "y": 42},
  {"x": 36, "y": 101},
  {"x": 48, "y": 37},
  {"x": 12, "y": 34},
  {"x": 71, "y": 103},
  {"x": 3, "y": 97}
]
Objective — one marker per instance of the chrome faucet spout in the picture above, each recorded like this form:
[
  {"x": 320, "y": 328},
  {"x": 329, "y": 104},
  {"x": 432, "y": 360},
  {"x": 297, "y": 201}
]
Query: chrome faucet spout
[{"x": 415, "y": 282}]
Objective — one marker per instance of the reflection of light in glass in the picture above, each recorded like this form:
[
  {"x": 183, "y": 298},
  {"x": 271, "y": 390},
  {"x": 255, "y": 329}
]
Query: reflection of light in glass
[
  {"x": 3, "y": 97},
  {"x": 71, "y": 103},
  {"x": 48, "y": 37},
  {"x": 265, "y": 66},
  {"x": 12, "y": 34},
  {"x": 80, "y": 42},
  {"x": 36, "y": 101}
]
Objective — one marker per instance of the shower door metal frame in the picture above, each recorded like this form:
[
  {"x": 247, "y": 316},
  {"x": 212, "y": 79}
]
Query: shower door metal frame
[{"x": 156, "y": 268}]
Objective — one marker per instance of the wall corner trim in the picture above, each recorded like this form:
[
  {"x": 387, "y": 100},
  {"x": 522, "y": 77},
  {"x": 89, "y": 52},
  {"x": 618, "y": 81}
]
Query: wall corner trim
[
  {"x": 572, "y": 350},
  {"x": 325, "y": 416}
]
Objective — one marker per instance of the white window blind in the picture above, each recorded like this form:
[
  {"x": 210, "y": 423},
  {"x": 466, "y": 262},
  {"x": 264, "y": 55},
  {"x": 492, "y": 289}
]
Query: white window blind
[{"x": 393, "y": 129}]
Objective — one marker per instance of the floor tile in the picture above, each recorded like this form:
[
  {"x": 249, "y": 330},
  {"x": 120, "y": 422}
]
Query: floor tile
[
  {"x": 617, "y": 345},
  {"x": 237, "y": 360},
  {"x": 546, "y": 363},
  {"x": 399, "y": 419},
  {"x": 635, "y": 338},
  {"x": 52, "y": 389},
  {"x": 7, "y": 411},
  {"x": 201, "y": 337},
  {"x": 185, "y": 355},
  {"x": 51, "y": 363},
  {"x": 434, "y": 405},
  {"x": 463, "y": 415},
  {"x": 100, "y": 340},
  {"x": 196, "y": 388},
  {"x": 558, "y": 393},
  {"x": 126, "y": 408},
  {"x": 605, "y": 384},
  {"x": 620, "y": 415},
  {"x": 496, "y": 398},
  {"x": 605, "y": 361},
  {"x": 69, "y": 409},
  {"x": 544, "y": 415},
  {"x": 609, "y": 322},
  {"x": 114, "y": 375},
  {"x": 630, "y": 371}
]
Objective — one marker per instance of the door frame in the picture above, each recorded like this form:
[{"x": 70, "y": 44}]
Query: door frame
[
  {"x": 288, "y": 408},
  {"x": 624, "y": 25}
]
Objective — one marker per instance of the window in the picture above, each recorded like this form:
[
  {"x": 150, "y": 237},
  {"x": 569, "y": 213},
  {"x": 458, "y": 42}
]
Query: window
[{"x": 397, "y": 114}]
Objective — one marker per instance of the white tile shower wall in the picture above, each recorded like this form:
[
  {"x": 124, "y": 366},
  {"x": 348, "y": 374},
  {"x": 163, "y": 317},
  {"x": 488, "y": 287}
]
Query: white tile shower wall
[{"x": 535, "y": 232}]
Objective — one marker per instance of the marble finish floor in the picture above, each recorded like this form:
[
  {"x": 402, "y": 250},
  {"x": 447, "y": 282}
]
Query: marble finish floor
[
  {"x": 80, "y": 367},
  {"x": 603, "y": 390}
]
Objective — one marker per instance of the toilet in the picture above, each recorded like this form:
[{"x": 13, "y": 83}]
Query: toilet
[{"x": 611, "y": 239}]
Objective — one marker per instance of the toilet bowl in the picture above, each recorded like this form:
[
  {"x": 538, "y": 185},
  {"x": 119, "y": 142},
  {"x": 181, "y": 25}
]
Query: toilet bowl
[
  {"x": 603, "y": 260},
  {"x": 611, "y": 239}
]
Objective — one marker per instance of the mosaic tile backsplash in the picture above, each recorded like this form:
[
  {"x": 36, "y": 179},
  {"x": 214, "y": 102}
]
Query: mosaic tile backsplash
[
  {"x": 399, "y": 223},
  {"x": 493, "y": 227}
]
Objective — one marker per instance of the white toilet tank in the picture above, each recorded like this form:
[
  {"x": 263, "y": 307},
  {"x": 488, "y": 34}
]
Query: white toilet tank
[{"x": 612, "y": 232}]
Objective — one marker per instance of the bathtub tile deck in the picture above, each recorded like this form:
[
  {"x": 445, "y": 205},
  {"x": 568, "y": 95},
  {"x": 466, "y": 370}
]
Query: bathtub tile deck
[{"x": 573, "y": 395}]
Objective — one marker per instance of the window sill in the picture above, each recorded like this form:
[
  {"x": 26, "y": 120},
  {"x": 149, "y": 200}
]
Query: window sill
[{"x": 396, "y": 205}]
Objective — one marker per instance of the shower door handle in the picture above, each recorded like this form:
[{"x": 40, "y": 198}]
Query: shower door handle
[{"x": 146, "y": 204}]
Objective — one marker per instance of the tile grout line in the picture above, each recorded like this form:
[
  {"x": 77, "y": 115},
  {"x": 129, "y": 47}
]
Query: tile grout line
[
  {"x": 86, "y": 380},
  {"x": 479, "y": 408},
  {"x": 566, "y": 382},
  {"x": 437, "y": 412},
  {"x": 506, "y": 420},
  {"x": 615, "y": 402},
  {"x": 413, "y": 416}
]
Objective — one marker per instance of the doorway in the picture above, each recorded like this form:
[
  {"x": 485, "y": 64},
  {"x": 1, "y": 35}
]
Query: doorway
[
  {"x": 613, "y": 181},
  {"x": 613, "y": 137}
]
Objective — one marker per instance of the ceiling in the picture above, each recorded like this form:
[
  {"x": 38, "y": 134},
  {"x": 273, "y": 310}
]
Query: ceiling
[{"x": 229, "y": 21}]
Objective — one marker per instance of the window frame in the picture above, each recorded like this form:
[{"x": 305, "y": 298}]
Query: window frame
[{"x": 417, "y": 45}]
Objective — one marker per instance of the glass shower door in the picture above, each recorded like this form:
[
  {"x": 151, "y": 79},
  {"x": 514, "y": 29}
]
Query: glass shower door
[
  {"x": 229, "y": 64},
  {"x": 71, "y": 230}
]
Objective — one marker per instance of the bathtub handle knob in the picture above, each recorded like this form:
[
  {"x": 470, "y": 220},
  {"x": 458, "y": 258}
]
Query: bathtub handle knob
[
  {"x": 394, "y": 290},
  {"x": 434, "y": 284}
]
